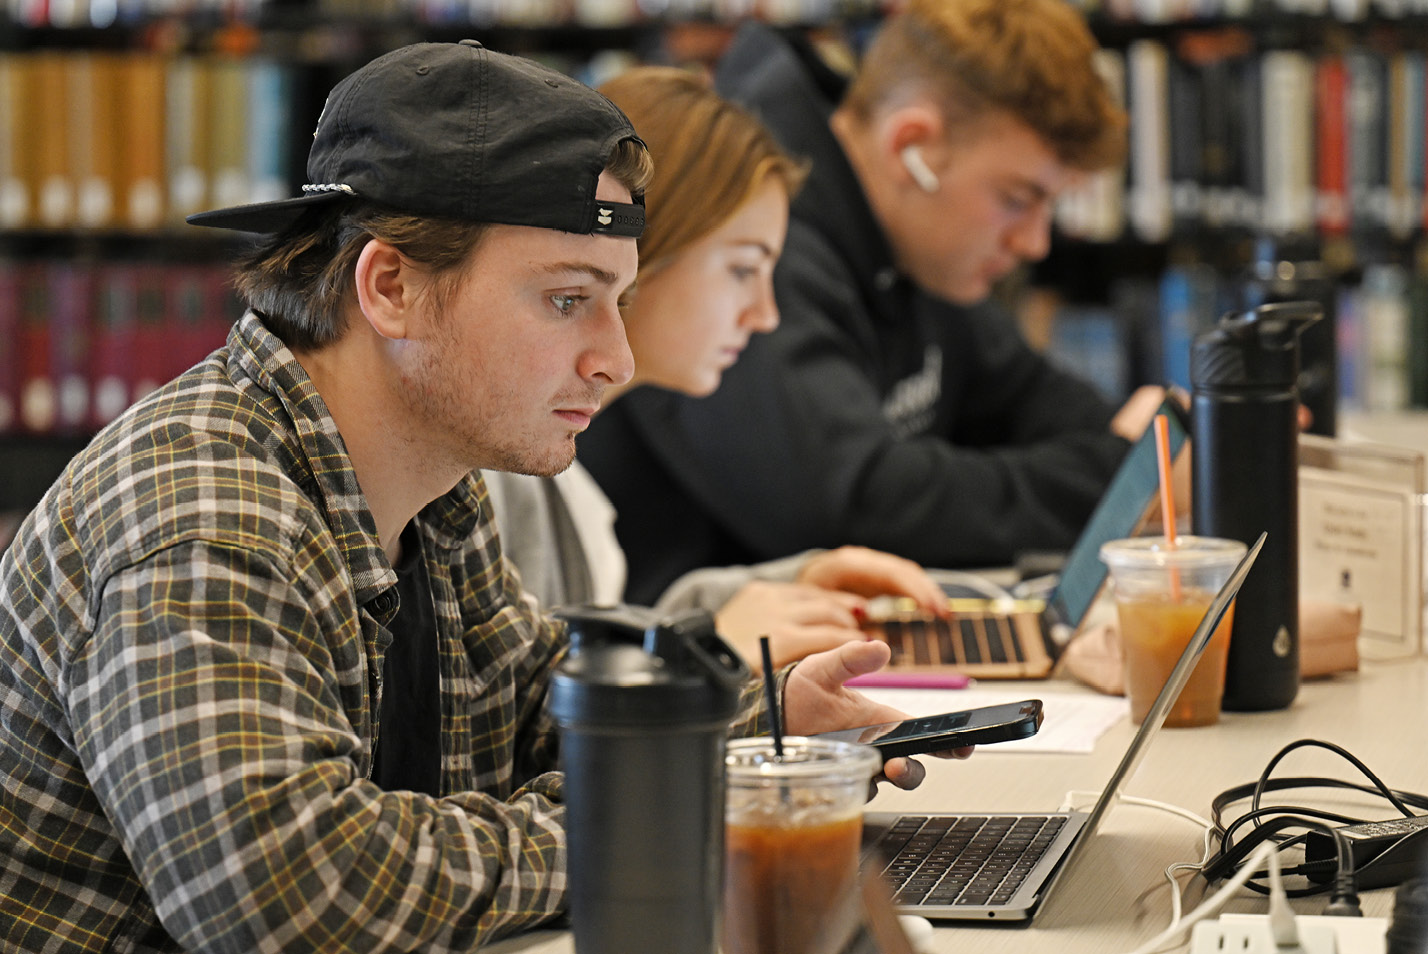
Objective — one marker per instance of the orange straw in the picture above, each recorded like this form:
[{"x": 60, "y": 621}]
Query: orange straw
[{"x": 1167, "y": 496}]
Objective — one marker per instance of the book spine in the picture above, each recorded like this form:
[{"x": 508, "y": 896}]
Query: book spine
[
  {"x": 71, "y": 307},
  {"x": 10, "y": 297},
  {"x": 16, "y": 174},
  {"x": 112, "y": 355},
  {"x": 1220, "y": 142},
  {"x": 228, "y": 126},
  {"x": 187, "y": 136},
  {"x": 39, "y": 403},
  {"x": 153, "y": 364},
  {"x": 1385, "y": 318},
  {"x": 1089, "y": 342},
  {"x": 94, "y": 137},
  {"x": 1416, "y": 133},
  {"x": 1186, "y": 148},
  {"x": 49, "y": 97},
  {"x": 1396, "y": 214},
  {"x": 1331, "y": 145},
  {"x": 142, "y": 112},
  {"x": 1348, "y": 338},
  {"x": 201, "y": 310},
  {"x": 1287, "y": 123},
  {"x": 1095, "y": 210},
  {"x": 1178, "y": 323},
  {"x": 269, "y": 99},
  {"x": 1249, "y": 139},
  {"x": 1366, "y": 112},
  {"x": 1146, "y": 64}
]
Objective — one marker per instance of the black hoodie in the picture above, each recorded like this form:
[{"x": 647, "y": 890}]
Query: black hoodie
[{"x": 875, "y": 414}]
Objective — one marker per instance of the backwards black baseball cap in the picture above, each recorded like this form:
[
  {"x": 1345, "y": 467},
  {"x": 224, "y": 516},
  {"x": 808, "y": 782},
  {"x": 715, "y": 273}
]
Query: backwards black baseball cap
[{"x": 459, "y": 131}]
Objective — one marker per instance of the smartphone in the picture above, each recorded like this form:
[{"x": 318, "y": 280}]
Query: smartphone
[{"x": 950, "y": 730}]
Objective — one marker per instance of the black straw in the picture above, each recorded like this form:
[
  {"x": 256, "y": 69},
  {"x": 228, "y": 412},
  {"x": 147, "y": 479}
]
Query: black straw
[{"x": 771, "y": 692}]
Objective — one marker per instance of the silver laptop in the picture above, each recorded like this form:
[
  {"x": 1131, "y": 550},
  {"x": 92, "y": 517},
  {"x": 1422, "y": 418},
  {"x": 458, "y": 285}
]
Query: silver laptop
[{"x": 990, "y": 866}]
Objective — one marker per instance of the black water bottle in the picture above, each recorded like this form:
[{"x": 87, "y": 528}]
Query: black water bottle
[
  {"x": 1244, "y": 447},
  {"x": 1281, "y": 272},
  {"x": 644, "y": 705}
]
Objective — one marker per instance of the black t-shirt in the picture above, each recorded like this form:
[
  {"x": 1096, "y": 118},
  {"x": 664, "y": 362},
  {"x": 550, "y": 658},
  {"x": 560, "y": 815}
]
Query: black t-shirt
[{"x": 408, "y": 754}]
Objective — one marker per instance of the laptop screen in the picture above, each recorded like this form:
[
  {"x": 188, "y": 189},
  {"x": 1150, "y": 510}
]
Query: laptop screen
[
  {"x": 1122, "y": 508},
  {"x": 1155, "y": 718}
]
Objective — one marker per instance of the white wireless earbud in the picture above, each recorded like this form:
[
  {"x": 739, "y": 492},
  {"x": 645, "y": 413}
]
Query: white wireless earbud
[{"x": 916, "y": 167}]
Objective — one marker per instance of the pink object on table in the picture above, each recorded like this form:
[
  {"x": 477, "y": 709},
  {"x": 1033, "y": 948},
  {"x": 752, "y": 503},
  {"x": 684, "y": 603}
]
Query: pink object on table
[{"x": 910, "y": 680}]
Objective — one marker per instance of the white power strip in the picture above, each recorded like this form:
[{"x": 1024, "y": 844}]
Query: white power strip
[{"x": 1250, "y": 934}]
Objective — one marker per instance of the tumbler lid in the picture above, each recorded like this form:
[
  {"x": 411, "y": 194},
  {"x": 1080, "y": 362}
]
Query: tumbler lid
[
  {"x": 629, "y": 667},
  {"x": 1259, "y": 347}
]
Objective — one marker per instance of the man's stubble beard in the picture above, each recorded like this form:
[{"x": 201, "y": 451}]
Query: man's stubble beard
[{"x": 461, "y": 437}]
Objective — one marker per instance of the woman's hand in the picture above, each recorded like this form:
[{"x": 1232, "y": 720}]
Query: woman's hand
[
  {"x": 1139, "y": 410},
  {"x": 874, "y": 573},
  {"x": 797, "y": 618}
]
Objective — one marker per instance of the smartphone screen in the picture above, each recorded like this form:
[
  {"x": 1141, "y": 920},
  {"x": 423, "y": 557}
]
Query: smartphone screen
[{"x": 950, "y": 730}]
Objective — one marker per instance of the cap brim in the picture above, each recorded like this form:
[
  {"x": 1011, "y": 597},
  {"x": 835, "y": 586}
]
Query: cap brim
[{"x": 262, "y": 217}]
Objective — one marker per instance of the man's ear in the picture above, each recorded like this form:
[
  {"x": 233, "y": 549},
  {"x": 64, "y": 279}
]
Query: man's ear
[
  {"x": 916, "y": 127},
  {"x": 387, "y": 286}
]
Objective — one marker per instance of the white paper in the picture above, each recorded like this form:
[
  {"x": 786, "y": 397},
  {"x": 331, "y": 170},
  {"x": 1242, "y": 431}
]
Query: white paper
[{"x": 1354, "y": 546}]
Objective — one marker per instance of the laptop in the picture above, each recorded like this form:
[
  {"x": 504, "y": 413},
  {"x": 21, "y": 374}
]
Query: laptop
[
  {"x": 992, "y": 634},
  {"x": 989, "y": 866}
]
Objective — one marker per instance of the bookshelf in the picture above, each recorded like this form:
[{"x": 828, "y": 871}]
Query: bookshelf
[
  {"x": 117, "y": 117},
  {"x": 120, "y": 117},
  {"x": 1277, "y": 150}
]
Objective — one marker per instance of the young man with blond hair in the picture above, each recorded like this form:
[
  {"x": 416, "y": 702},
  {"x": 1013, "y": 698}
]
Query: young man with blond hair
[{"x": 895, "y": 407}]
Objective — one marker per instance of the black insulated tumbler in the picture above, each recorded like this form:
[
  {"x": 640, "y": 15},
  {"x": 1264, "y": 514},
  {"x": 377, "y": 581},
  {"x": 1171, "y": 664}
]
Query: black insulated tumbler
[{"x": 1244, "y": 449}]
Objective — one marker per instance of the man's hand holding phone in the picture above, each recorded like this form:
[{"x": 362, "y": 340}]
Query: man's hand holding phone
[
  {"x": 916, "y": 735},
  {"x": 815, "y": 700}
]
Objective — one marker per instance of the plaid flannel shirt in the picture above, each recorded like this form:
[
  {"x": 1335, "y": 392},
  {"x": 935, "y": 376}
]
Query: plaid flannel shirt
[{"x": 191, "y": 637}]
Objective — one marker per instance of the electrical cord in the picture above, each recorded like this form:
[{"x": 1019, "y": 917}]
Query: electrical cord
[
  {"x": 1240, "y": 861},
  {"x": 1338, "y": 750},
  {"x": 1171, "y": 872},
  {"x": 1275, "y": 825},
  {"x": 1264, "y": 853}
]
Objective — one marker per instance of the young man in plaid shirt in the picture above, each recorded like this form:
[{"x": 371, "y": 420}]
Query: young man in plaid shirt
[{"x": 266, "y": 683}]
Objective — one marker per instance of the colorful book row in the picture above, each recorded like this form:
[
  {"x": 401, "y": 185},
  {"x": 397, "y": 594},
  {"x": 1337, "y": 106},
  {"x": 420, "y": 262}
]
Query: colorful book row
[
  {"x": 533, "y": 14},
  {"x": 1376, "y": 347},
  {"x": 84, "y": 341},
  {"x": 1180, "y": 11},
  {"x": 1280, "y": 142},
  {"x": 138, "y": 140}
]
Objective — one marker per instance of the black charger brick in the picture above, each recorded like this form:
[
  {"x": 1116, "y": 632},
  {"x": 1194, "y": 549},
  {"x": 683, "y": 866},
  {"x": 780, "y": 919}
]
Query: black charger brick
[{"x": 1385, "y": 853}]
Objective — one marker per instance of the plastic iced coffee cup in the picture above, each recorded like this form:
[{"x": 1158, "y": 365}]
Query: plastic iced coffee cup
[
  {"x": 1161, "y": 594},
  {"x": 793, "y": 828}
]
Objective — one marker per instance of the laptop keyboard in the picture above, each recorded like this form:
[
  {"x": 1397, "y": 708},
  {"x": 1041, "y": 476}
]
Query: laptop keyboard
[
  {"x": 971, "y": 860},
  {"x": 967, "y": 639},
  {"x": 975, "y": 639}
]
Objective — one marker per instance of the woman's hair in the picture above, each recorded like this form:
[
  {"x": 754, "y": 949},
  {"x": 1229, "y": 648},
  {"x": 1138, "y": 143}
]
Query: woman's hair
[
  {"x": 710, "y": 156},
  {"x": 1032, "y": 59},
  {"x": 299, "y": 280}
]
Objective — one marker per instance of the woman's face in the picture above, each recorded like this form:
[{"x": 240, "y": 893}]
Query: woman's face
[{"x": 693, "y": 315}]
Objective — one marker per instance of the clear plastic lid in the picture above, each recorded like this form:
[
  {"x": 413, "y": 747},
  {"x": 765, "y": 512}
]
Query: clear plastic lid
[{"x": 805, "y": 760}]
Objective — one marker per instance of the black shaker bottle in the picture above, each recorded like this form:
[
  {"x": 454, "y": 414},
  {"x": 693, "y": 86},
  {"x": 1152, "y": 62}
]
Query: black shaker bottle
[
  {"x": 1244, "y": 447},
  {"x": 644, "y": 705}
]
